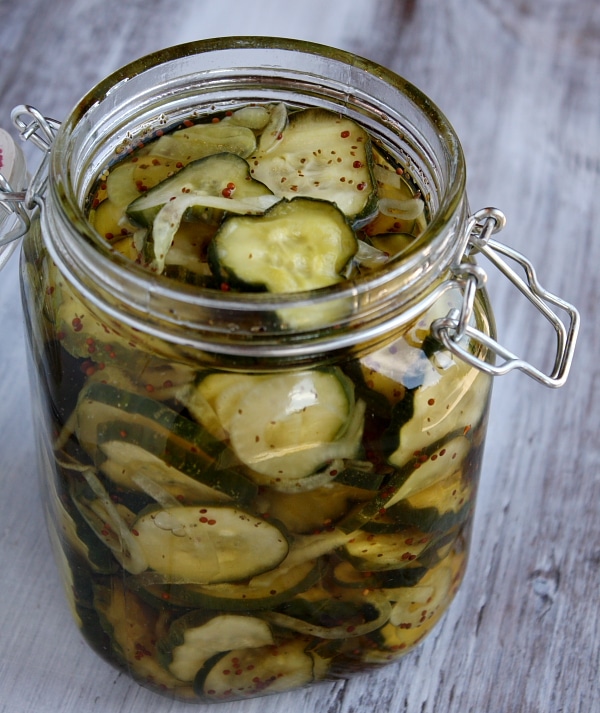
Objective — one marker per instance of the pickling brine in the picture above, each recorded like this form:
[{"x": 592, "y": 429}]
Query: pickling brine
[
  {"x": 247, "y": 519},
  {"x": 266, "y": 197}
]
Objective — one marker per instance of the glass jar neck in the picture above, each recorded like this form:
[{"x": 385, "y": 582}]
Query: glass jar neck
[{"x": 169, "y": 86}]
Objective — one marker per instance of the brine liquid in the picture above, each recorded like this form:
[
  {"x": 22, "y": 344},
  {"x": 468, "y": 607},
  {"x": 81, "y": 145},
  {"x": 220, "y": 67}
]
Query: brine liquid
[
  {"x": 330, "y": 507},
  {"x": 385, "y": 231}
]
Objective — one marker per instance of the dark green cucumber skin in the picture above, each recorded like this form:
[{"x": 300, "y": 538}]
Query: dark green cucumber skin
[
  {"x": 190, "y": 460},
  {"x": 354, "y": 477},
  {"x": 141, "y": 406},
  {"x": 401, "y": 413},
  {"x": 228, "y": 276},
  {"x": 181, "y": 275},
  {"x": 327, "y": 612},
  {"x": 429, "y": 519},
  {"x": 404, "y": 577},
  {"x": 145, "y": 216},
  {"x": 166, "y": 596}
]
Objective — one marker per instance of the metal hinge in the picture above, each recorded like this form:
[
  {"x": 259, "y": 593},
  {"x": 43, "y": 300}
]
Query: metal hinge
[
  {"x": 20, "y": 205},
  {"x": 451, "y": 330}
]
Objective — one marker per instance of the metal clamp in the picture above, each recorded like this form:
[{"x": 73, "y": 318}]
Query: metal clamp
[
  {"x": 12, "y": 202},
  {"x": 34, "y": 126},
  {"x": 19, "y": 205},
  {"x": 40, "y": 130},
  {"x": 451, "y": 329}
]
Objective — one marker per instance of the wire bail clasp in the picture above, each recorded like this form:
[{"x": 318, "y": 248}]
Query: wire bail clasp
[
  {"x": 451, "y": 329},
  {"x": 21, "y": 204},
  {"x": 40, "y": 130}
]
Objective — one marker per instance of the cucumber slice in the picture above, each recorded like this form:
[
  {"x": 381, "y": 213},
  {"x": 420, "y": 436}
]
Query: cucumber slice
[
  {"x": 208, "y": 544},
  {"x": 101, "y": 403},
  {"x": 254, "y": 116},
  {"x": 278, "y": 119},
  {"x": 164, "y": 380},
  {"x": 456, "y": 401},
  {"x": 108, "y": 220},
  {"x": 414, "y": 606},
  {"x": 323, "y": 155},
  {"x": 300, "y": 244},
  {"x": 121, "y": 187},
  {"x": 261, "y": 592},
  {"x": 110, "y": 522},
  {"x": 125, "y": 431},
  {"x": 75, "y": 535},
  {"x": 204, "y": 189},
  {"x": 393, "y": 244},
  {"x": 439, "y": 508},
  {"x": 390, "y": 643},
  {"x": 346, "y": 575},
  {"x": 436, "y": 464},
  {"x": 131, "y": 626},
  {"x": 346, "y": 614},
  {"x": 214, "y": 399},
  {"x": 312, "y": 510},
  {"x": 370, "y": 552},
  {"x": 129, "y": 451},
  {"x": 128, "y": 179},
  {"x": 414, "y": 622},
  {"x": 193, "y": 639},
  {"x": 287, "y": 426},
  {"x": 124, "y": 184},
  {"x": 82, "y": 540},
  {"x": 194, "y": 142},
  {"x": 250, "y": 672},
  {"x": 223, "y": 175},
  {"x": 94, "y": 335},
  {"x": 433, "y": 466}
]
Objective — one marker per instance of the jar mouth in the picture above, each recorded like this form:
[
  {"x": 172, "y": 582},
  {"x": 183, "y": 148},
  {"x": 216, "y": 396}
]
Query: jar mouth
[{"x": 169, "y": 85}]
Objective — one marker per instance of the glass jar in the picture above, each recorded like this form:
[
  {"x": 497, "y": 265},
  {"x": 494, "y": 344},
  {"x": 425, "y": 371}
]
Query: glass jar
[{"x": 251, "y": 492}]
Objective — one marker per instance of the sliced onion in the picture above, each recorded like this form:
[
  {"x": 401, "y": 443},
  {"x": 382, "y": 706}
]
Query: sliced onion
[
  {"x": 152, "y": 488},
  {"x": 274, "y": 128},
  {"x": 370, "y": 256},
  {"x": 386, "y": 176},
  {"x": 125, "y": 547},
  {"x": 409, "y": 209}
]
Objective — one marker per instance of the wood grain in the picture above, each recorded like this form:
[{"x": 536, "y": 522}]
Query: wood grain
[{"x": 520, "y": 81}]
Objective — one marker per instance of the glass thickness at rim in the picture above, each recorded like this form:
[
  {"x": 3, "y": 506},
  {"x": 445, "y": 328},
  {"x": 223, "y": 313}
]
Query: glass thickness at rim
[{"x": 170, "y": 84}]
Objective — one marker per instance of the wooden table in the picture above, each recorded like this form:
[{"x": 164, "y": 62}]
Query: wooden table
[{"x": 520, "y": 81}]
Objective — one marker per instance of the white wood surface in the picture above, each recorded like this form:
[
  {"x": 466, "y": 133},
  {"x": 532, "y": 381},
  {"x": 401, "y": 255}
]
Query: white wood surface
[{"x": 520, "y": 81}]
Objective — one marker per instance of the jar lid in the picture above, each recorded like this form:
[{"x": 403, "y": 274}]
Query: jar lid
[{"x": 13, "y": 177}]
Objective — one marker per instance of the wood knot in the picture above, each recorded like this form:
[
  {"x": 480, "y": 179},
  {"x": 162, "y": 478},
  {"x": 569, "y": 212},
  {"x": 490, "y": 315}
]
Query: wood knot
[{"x": 545, "y": 584}]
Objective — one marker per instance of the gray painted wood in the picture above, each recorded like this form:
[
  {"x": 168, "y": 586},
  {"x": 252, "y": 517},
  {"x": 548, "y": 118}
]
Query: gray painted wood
[{"x": 520, "y": 81}]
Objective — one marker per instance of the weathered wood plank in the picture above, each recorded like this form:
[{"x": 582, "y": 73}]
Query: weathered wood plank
[{"x": 521, "y": 83}]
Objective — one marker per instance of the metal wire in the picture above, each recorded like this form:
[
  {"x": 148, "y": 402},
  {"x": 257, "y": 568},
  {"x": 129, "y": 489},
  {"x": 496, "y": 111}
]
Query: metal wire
[
  {"x": 40, "y": 130},
  {"x": 453, "y": 328}
]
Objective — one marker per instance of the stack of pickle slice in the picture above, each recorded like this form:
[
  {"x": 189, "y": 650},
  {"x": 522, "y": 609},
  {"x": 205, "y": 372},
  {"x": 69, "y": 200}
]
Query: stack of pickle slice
[{"x": 226, "y": 534}]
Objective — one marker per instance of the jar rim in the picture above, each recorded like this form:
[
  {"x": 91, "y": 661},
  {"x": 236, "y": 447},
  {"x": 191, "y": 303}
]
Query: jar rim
[{"x": 92, "y": 264}]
